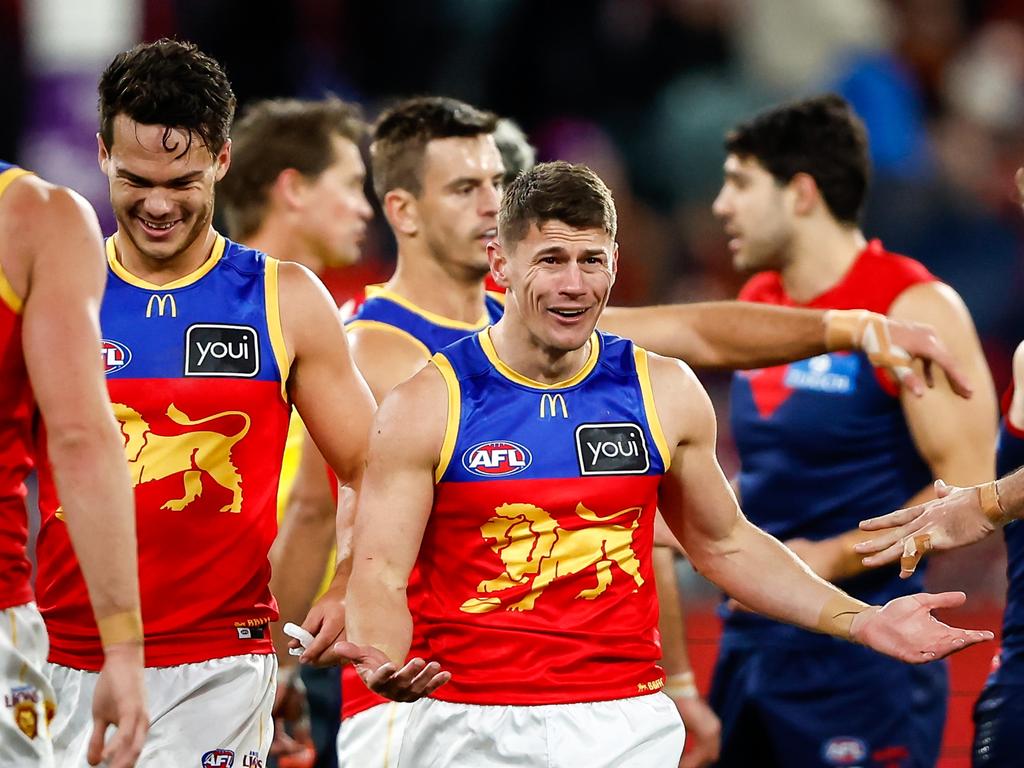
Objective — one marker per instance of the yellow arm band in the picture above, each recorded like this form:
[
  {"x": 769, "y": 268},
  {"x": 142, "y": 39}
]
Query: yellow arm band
[
  {"x": 837, "y": 616},
  {"x": 124, "y": 627}
]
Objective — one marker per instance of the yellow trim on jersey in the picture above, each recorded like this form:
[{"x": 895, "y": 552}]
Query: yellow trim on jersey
[
  {"x": 8, "y": 295},
  {"x": 447, "y": 322},
  {"x": 488, "y": 347},
  {"x": 643, "y": 373},
  {"x": 10, "y": 175},
  {"x": 451, "y": 429},
  {"x": 118, "y": 268},
  {"x": 498, "y": 296},
  {"x": 377, "y": 325},
  {"x": 273, "y": 304}
]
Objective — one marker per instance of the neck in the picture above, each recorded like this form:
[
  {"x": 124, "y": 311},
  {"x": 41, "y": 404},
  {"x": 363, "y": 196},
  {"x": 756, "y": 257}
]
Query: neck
[
  {"x": 275, "y": 238},
  {"x": 526, "y": 355},
  {"x": 820, "y": 256},
  {"x": 163, "y": 271},
  {"x": 457, "y": 294}
]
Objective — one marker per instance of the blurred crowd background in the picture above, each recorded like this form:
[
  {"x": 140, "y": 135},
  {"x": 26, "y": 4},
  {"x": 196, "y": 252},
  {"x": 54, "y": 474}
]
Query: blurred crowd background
[{"x": 641, "y": 90}]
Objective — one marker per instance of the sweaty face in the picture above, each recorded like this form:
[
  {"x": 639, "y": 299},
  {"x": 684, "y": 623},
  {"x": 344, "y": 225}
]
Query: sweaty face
[
  {"x": 163, "y": 202},
  {"x": 458, "y": 202},
  {"x": 335, "y": 217},
  {"x": 752, "y": 208},
  {"x": 560, "y": 278}
]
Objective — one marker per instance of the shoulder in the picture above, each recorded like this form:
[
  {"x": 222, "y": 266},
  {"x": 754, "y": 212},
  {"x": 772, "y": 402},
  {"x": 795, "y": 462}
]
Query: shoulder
[
  {"x": 683, "y": 406},
  {"x": 385, "y": 355},
  {"x": 30, "y": 198},
  {"x": 415, "y": 412},
  {"x": 929, "y": 302}
]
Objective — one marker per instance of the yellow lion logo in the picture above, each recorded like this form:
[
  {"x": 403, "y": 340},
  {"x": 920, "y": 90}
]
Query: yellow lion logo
[
  {"x": 532, "y": 544},
  {"x": 154, "y": 457}
]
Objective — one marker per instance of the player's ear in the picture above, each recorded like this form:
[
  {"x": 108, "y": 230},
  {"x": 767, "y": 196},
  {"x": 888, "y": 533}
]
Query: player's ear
[
  {"x": 402, "y": 211},
  {"x": 805, "y": 194},
  {"x": 615, "y": 262},
  {"x": 102, "y": 154},
  {"x": 289, "y": 189},
  {"x": 223, "y": 160},
  {"x": 497, "y": 257}
]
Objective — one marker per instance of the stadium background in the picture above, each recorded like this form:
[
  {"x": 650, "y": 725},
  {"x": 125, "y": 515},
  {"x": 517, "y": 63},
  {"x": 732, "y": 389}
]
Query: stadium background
[{"x": 642, "y": 91}]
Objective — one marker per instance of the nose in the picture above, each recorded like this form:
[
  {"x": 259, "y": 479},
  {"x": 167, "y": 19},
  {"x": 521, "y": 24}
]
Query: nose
[
  {"x": 722, "y": 207},
  {"x": 572, "y": 280},
  {"x": 157, "y": 204},
  {"x": 364, "y": 209}
]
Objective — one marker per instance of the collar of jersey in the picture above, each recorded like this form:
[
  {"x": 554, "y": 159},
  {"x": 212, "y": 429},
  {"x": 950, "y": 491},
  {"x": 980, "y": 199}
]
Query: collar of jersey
[
  {"x": 512, "y": 375},
  {"x": 118, "y": 268},
  {"x": 381, "y": 292}
]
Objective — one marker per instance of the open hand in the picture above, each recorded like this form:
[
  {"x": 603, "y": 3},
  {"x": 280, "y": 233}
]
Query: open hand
[{"x": 413, "y": 681}]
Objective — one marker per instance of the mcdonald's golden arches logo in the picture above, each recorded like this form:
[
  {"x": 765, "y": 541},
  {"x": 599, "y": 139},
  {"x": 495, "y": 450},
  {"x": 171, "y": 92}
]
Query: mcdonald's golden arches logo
[
  {"x": 162, "y": 301},
  {"x": 553, "y": 403}
]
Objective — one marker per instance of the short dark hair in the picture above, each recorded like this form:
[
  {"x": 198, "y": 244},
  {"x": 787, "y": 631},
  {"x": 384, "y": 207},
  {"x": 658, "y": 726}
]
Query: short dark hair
[
  {"x": 558, "y": 191},
  {"x": 169, "y": 83},
  {"x": 517, "y": 154},
  {"x": 402, "y": 133},
  {"x": 819, "y": 136},
  {"x": 274, "y": 135}
]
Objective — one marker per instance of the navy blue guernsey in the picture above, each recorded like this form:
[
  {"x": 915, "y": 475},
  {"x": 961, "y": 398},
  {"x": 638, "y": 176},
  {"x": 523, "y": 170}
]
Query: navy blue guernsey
[{"x": 1010, "y": 456}]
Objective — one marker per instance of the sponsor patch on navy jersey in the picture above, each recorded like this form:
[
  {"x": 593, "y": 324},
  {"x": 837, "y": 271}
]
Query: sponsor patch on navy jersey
[
  {"x": 834, "y": 374},
  {"x": 497, "y": 458},
  {"x": 213, "y": 349},
  {"x": 611, "y": 449}
]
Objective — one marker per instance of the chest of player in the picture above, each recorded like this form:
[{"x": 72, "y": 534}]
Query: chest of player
[{"x": 825, "y": 405}]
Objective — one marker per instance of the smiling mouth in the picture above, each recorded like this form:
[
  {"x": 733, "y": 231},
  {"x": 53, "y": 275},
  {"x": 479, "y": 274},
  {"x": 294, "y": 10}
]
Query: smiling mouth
[
  {"x": 157, "y": 226},
  {"x": 569, "y": 314}
]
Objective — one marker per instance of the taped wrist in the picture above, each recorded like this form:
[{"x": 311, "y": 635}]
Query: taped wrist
[
  {"x": 682, "y": 686},
  {"x": 866, "y": 331},
  {"x": 124, "y": 627},
  {"x": 991, "y": 504},
  {"x": 837, "y": 616}
]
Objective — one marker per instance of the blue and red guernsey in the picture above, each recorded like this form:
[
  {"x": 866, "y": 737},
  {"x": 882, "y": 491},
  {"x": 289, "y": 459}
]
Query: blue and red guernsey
[
  {"x": 17, "y": 410},
  {"x": 388, "y": 311},
  {"x": 823, "y": 442},
  {"x": 1009, "y": 457},
  {"x": 536, "y": 560},
  {"x": 196, "y": 371}
]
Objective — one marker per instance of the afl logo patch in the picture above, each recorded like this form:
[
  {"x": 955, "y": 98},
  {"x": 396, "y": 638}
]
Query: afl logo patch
[
  {"x": 115, "y": 356},
  {"x": 844, "y": 750},
  {"x": 497, "y": 458}
]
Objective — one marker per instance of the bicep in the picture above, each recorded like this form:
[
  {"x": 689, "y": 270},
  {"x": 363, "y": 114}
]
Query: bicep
[
  {"x": 60, "y": 321},
  {"x": 331, "y": 396},
  {"x": 398, "y": 486},
  {"x": 949, "y": 431},
  {"x": 385, "y": 358}
]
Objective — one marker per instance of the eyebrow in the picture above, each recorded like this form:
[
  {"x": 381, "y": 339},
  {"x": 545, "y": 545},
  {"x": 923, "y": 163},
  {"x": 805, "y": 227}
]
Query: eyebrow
[
  {"x": 553, "y": 249},
  {"x": 136, "y": 179}
]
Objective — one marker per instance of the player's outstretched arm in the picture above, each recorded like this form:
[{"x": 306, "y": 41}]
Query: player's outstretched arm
[
  {"x": 337, "y": 409},
  {"x": 392, "y": 513},
  {"x": 63, "y": 275},
  {"x": 756, "y": 568},
  {"x": 739, "y": 334}
]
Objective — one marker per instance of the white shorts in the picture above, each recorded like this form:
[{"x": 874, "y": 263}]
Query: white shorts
[
  {"x": 27, "y": 695},
  {"x": 639, "y": 732},
  {"x": 373, "y": 737},
  {"x": 199, "y": 713}
]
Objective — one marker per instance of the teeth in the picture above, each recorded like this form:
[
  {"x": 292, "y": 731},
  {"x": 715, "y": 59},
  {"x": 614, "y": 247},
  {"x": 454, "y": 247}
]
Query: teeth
[
  {"x": 569, "y": 312},
  {"x": 154, "y": 225}
]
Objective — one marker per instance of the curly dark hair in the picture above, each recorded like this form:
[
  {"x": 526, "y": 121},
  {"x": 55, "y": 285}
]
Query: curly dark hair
[
  {"x": 403, "y": 131},
  {"x": 558, "y": 191},
  {"x": 274, "y": 135},
  {"x": 820, "y": 136},
  {"x": 168, "y": 83}
]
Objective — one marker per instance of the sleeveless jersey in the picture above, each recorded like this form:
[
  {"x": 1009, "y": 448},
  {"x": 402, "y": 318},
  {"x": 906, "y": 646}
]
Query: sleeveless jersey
[
  {"x": 1010, "y": 456},
  {"x": 196, "y": 371},
  {"x": 384, "y": 310},
  {"x": 17, "y": 412},
  {"x": 823, "y": 442},
  {"x": 538, "y": 585}
]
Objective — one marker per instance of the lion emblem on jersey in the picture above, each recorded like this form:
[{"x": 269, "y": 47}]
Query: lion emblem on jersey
[
  {"x": 533, "y": 546},
  {"x": 153, "y": 456}
]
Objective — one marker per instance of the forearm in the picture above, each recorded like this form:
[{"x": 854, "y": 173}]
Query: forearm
[
  {"x": 764, "y": 575},
  {"x": 724, "y": 334},
  {"x": 675, "y": 658},
  {"x": 93, "y": 483},
  {"x": 378, "y": 612}
]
